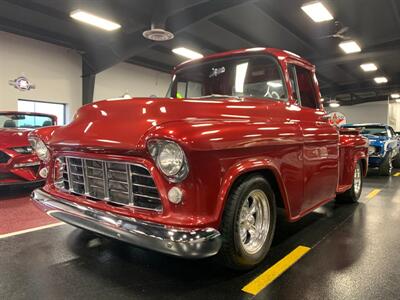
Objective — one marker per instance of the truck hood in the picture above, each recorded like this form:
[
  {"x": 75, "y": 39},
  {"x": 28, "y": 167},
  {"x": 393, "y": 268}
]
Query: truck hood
[
  {"x": 13, "y": 137},
  {"x": 121, "y": 124}
]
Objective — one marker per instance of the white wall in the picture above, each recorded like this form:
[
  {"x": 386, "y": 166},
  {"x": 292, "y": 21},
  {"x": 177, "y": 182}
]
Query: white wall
[
  {"x": 371, "y": 112},
  {"x": 134, "y": 80},
  {"x": 54, "y": 70},
  {"x": 394, "y": 115}
]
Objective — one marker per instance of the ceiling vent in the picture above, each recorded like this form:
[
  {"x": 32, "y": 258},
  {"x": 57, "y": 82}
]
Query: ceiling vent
[{"x": 158, "y": 34}]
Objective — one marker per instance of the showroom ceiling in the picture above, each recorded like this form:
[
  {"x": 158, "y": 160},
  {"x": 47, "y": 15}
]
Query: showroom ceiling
[{"x": 215, "y": 26}]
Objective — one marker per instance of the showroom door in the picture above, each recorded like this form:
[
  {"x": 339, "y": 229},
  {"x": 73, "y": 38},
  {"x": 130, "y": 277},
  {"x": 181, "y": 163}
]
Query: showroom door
[{"x": 320, "y": 148}]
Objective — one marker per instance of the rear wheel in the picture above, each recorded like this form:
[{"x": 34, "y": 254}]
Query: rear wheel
[
  {"x": 353, "y": 194},
  {"x": 248, "y": 223},
  {"x": 386, "y": 167}
]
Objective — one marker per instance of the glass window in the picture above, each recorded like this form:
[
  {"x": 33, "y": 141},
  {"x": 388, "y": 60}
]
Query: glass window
[
  {"x": 56, "y": 109},
  {"x": 255, "y": 76},
  {"x": 20, "y": 120}
]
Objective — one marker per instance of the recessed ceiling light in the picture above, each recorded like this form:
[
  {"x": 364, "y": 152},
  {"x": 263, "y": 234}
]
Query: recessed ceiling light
[
  {"x": 395, "y": 96},
  {"x": 93, "y": 20},
  {"x": 380, "y": 80},
  {"x": 317, "y": 12},
  {"x": 369, "y": 67},
  {"x": 350, "y": 47},
  {"x": 187, "y": 53}
]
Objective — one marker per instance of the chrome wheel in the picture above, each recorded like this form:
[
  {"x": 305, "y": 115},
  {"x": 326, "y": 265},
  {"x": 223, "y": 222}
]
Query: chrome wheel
[
  {"x": 357, "y": 179},
  {"x": 254, "y": 221}
]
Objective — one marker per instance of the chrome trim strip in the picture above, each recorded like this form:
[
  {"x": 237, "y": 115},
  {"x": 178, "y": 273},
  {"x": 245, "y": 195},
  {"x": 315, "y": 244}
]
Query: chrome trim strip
[{"x": 186, "y": 243}]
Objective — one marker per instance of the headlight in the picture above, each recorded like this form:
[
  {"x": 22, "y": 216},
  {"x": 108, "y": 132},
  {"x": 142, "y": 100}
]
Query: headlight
[
  {"x": 40, "y": 148},
  {"x": 23, "y": 150},
  {"x": 371, "y": 150},
  {"x": 170, "y": 159}
]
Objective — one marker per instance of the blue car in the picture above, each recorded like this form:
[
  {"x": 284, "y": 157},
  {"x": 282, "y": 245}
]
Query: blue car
[{"x": 384, "y": 145}]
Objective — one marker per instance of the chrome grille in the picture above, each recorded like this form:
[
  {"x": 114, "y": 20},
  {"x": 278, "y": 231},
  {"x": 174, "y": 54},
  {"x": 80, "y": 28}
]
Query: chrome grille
[{"x": 116, "y": 182}]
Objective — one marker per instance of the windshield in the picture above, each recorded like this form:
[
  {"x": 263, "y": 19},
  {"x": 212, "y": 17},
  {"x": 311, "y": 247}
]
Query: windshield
[
  {"x": 255, "y": 76},
  {"x": 24, "y": 121},
  {"x": 372, "y": 130}
]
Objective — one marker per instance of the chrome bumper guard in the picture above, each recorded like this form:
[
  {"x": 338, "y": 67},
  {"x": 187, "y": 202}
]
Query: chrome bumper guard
[{"x": 186, "y": 243}]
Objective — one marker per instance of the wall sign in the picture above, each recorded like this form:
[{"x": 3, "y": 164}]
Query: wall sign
[
  {"x": 337, "y": 119},
  {"x": 22, "y": 84}
]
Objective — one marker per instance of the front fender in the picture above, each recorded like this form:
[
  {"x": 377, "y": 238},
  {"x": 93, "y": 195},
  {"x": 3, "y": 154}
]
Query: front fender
[
  {"x": 44, "y": 133},
  {"x": 247, "y": 166}
]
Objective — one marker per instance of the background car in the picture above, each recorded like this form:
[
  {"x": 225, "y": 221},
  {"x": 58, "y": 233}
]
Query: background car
[
  {"x": 383, "y": 147},
  {"x": 18, "y": 163}
]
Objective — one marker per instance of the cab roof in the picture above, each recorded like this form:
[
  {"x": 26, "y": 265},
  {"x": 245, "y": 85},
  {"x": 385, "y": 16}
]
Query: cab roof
[{"x": 278, "y": 53}]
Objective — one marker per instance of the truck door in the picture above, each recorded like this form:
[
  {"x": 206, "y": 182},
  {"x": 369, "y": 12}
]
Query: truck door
[{"x": 321, "y": 140}]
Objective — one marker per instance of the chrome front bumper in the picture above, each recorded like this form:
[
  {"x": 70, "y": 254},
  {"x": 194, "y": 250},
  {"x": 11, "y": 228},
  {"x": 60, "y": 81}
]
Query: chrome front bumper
[{"x": 186, "y": 243}]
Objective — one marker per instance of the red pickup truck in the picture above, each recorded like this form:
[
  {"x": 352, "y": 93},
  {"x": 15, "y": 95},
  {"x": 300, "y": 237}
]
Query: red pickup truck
[{"x": 203, "y": 170}]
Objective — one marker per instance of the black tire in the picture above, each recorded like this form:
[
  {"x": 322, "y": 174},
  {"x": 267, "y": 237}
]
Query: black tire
[
  {"x": 386, "y": 167},
  {"x": 396, "y": 161},
  {"x": 232, "y": 253},
  {"x": 353, "y": 194}
]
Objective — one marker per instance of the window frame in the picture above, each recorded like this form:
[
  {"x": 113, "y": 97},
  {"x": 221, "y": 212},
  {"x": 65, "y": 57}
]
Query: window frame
[{"x": 295, "y": 65}]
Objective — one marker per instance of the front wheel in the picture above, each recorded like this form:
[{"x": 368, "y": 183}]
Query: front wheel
[
  {"x": 353, "y": 194},
  {"x": 396, "y": 161},
  {"x": 386, "y": 167},
  {"x": 248, "y": 223}
]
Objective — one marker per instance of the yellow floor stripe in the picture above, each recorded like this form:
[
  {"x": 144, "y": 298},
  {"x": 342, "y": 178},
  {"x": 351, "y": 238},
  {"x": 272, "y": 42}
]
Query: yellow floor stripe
[
  {"x": 260, "y": 282},
  {"x": 373, "y": 193},
  {"x": 397, "y": 174}
]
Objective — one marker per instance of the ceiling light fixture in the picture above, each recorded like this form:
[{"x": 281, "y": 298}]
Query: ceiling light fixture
[
  {"x": 350, "y": 47},
  {"x": 317, "y": 12},
  {"x": 93, "y": 20},
  {"x": 395, "y": 96},
  {"x": 187, "y": 53},
  {"x": 369, "y": 67},
  {"x": 380, "y": 80},
  {"x": 334, "y": 104}
]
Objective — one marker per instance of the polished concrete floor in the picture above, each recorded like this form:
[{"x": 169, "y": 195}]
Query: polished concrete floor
[{"x": 354, "y": 255}]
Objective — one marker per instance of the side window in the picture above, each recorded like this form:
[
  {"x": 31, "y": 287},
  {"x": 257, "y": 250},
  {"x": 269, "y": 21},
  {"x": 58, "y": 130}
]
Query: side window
[{"x": 303, "y": 84}]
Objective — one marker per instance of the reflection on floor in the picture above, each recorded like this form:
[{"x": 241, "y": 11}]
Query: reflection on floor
[
  {"x": 353, "y": 256},
  {"x": 18, "y": 213}
]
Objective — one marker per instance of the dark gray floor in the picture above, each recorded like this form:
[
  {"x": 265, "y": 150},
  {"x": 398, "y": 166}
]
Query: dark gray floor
[{"x": 354, "y": 256}]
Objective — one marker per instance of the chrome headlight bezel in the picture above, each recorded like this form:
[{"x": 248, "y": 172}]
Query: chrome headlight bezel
[
  {"x": 40, "y": 148},
  {"x": 163, "y": 150}
]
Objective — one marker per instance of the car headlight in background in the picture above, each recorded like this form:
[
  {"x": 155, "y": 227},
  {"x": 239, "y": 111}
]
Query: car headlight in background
[
  {"x": 40, "y": 148},
  {"x": 170, "y": 159},
  {"x": 23, "y": 150},
  {"x": 371, "y": 150}
]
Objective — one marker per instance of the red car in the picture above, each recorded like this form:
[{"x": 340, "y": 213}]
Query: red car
[
  {"x": 18, "y": 162},
  {"x": 203, "y": 171}
]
